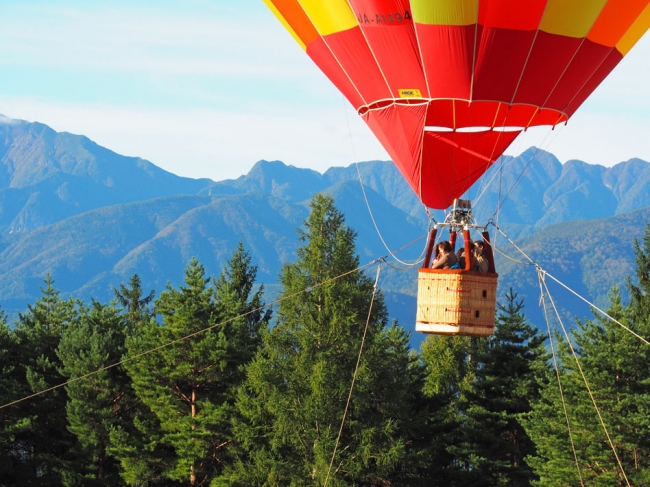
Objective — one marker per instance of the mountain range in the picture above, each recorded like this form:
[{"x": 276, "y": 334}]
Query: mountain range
[{"x": 92, "y": 218}]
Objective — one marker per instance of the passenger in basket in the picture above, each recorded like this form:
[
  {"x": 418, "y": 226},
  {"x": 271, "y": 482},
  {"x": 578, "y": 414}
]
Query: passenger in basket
[
  {"x": 445, "y": 258},
  {"x": 479, "y": 262},
  {"x": 460, "y": 256}
]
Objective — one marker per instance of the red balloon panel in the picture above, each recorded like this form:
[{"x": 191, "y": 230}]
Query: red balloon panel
[
  {"x": 453, "y": 161},
  {"x": 399, "y": 129},
  {"x": 390, "y": 35},
  {"x": 447, "y": 53}
]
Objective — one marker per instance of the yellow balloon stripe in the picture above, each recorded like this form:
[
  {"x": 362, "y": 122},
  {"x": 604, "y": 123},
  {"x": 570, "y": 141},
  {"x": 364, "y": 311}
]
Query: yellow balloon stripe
[
  {"x": 330, "y": 16},
  {"x": 571, "y": 18},
  {"x": 634, "y": 33},
  {"x": 286, "y": 24},
  {"x": 445, "y": 12}
]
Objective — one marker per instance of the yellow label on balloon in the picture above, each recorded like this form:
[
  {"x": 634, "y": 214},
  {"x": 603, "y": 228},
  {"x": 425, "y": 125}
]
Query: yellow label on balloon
[{"x": 409, "y": 93}]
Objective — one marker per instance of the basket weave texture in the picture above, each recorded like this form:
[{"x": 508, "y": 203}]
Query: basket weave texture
[{"x": 456, "y": 302}]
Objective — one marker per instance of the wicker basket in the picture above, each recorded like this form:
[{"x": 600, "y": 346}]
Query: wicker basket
[{"x": 456, "y": 302}]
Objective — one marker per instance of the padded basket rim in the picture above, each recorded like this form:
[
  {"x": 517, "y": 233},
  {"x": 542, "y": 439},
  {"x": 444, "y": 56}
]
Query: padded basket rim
[{"x": 457, "y": 271}]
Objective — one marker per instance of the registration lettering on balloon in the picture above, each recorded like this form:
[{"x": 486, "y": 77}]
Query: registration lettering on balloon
[{"x": 383, "y": 19}]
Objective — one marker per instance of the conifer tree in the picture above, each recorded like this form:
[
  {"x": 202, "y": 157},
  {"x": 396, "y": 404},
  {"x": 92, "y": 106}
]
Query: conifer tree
[
  {"x": 449, "y": 374},
  {"x": 615, "y": 366},
  {"x": 42, "y": 443},
  {"x": 11, "y": 469},
  {"x": 94, "y": 340},
  {"x": 241, "y": 309},
  {"x": 639, "y": 307},
  {"x": 504, "y": 387},
  {"x": 136, "y": 440},
  {"x": 189, "y": 386},
  {"x": 298, "y": 384},
  {"x": 136, "y": 306}
]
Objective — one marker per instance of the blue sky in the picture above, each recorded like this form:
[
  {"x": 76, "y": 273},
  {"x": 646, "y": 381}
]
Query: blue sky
[{"x": 207, "y": 88}]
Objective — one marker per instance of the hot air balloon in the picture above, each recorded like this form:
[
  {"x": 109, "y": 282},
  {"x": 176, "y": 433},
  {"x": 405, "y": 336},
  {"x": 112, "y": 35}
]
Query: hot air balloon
[{"x": 447, "y": 85}]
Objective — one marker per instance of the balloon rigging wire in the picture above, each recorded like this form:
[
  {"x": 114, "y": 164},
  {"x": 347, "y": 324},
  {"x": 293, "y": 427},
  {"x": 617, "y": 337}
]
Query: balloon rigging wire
[
  {"x": 484, "y": 186},
  {"x": 614, "y": 320},
  {"x": 592, "y": 305},
  {"x": 354, "y": 375},
  {"x": 526, "y": 168},
  {"x": 540, "y": 277},
  {"x": 365, "y": 197},
  {"x": 217, "y": 325},
  {"x": 584, "y": 378},
  {"x": 545, "y": 142},
  {"x": 512, "y": 258}
]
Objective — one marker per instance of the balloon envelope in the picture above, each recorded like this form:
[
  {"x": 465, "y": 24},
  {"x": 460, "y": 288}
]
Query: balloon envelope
[{"x": 447, "y": 85}]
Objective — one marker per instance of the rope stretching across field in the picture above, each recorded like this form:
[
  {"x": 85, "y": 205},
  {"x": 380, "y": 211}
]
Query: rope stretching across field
[
  {"x": 354, "y": 376},
  {"x": 544, "y": 291},
  {"x": 540, "y": 277}
]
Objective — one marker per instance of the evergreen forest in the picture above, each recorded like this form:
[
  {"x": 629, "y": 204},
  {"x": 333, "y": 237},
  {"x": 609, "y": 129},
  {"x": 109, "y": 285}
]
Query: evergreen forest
[{"x": 208, "y": 384}]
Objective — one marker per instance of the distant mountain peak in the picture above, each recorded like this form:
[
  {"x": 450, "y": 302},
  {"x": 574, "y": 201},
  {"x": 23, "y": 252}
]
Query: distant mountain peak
[
  {"x": 47, "y": 176},
  {"x": 279, "y": 168},
  {"x": 4, "y": 120}
]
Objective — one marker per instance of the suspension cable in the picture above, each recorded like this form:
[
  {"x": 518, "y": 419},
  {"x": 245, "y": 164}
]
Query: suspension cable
[
  {"x": 612, "y": 319},
  {"x": 365, "y": 196},
  {"x": 517, "y": 181},
  {"x": 545, "y": 291},
  {"x": 512, "y": 258},
  {"x": 592, "y": 305},
  {"x": 540, "y": 278},
  {"x": 183, "y": 338}
]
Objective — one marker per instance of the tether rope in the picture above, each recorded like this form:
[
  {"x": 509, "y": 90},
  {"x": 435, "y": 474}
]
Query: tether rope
[
  {"x": 540, "y": 277},
  {"x": 354, "y": 375},
  {"x": 544, "y": 287},
  {"x": 592, "y": 305},
  {"x": 614, "y": 320},
  {"x": 512, "y": 258},
  {"x": 584, "y": 378},
  {"x": 178, "y": 340}
]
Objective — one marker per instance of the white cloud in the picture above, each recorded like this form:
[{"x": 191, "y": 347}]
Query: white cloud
[{"x": 136, "y": 39}]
